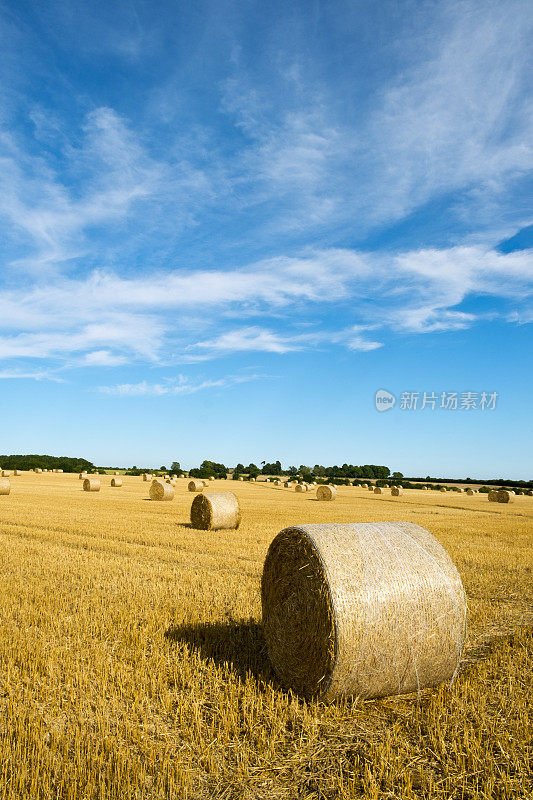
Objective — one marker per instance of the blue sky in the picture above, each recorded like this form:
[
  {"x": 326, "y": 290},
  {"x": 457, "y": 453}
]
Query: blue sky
[{"x": 225, "y": 225}]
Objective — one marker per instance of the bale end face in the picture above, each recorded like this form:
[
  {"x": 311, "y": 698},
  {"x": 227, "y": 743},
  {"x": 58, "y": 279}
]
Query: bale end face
[
  {"x": 340, "y": 619},
  {"x": 195, "y": 486},
  {"x": 378, "y": 490},
  {"x": 396, "y": 491},
  {"x": 116, "y": 482},
  {"x": 215, "y": 511}
]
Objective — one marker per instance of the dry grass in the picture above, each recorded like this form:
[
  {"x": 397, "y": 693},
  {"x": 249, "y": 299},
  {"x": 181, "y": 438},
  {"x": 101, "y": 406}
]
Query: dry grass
[{"x": 133, "y": 664}]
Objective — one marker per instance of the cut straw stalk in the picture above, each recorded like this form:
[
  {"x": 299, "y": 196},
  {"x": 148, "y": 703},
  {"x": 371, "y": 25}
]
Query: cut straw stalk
[
  {"x": 215, "y": 511},
  {"x": 370, "y": 609}
]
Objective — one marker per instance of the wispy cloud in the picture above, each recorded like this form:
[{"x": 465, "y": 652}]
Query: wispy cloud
[{"x": 177, "y": 386}]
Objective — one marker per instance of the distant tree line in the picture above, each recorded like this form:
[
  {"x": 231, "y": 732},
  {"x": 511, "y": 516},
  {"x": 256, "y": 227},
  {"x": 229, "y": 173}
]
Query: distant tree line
[{"x": 66, "y": 463}]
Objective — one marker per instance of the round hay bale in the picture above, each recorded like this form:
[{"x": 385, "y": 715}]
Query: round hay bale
[
  {"x": 493, "y": 496},
  {"x": 147, "y": 476},
  {"x": 396, "y": 491},
  {"x": 6, "y": 473},
  {"x": 212, "y": 478},
  {"x": 5, "y": 486},
  {"x": 470, "y": 492},
  {"x": 38, "y": 470},
  {"x": 505, "y": 497},
  {"x": 370, "y": 488},
  {"x": 82, "y": 476},
  {"x": 368, "y": 609},
  {"x": 385, "y": 485},
  {"x": 116, "y": 481},
  {"x": 17, "y": 472},
  {"x": 91, "y": 484},
  {"x": 326, "y": 493},
  {"x": 215, "y": 512},
  {"x": 195, "y": 486},
  {"x": 300, "y": 487},
  {"x": 443, "y": 489},
  {"x": 241, "y": 478},
  {"x": 460, "y": 489},
  {"x": 529, "y": 492},
  {"x": 117, "y": 472},
  {"x": 378, "y": 490},
  {"x": 277, "y": 483},
  {"x": 161, "y": 491},
  {"x": 252, "y": 480}
]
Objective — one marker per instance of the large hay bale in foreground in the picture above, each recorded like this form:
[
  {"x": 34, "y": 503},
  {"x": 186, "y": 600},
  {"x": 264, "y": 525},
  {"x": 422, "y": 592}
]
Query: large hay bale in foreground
[
  {"x": 159, "y": 490},
  {"x": 91, "y": 484},
  {"x": 396, "y": 491},
  {"x": 326, "y": 493},
  {"x": 116, "y": 481},
  {"x": 378, "y": 490},
  {"x": 369, "y": 609},
  {"x": 5, "y": 486},
  {"x": 505, "y": 497},
  {"x": 215, "y": 511},
  {"x": 195, "y": 486}
]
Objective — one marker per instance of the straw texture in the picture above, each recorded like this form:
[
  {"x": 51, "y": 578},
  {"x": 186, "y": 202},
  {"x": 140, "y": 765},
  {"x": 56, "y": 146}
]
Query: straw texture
[
  {"x": 470, "y": 491},
  {"x": 369, "y": 609},
  {"x": 6, "y": 473},
  {"x": 17, "y": 472},
  {"x": 300, "y": 487},
  {"x": 370, "y": 488},
  {"x": 505, "y": 497},
  {"x": 215, "y": 511},
  {"x": 195, "y": 486},
  {"x": 82, "y": 476},
  {"x": 396, "y": 491},
  {"x": 161, "y": 491},
  {"x": 91, "y": 485},
  {"x": 116, "y": 481},
  {"x": 443, "y": 489},
  {"x": 378, "y": 490},
  {"x": 493, "y": 496},
  {"x": 5, "y": 486},
  {"x": 326, "y": 493}
]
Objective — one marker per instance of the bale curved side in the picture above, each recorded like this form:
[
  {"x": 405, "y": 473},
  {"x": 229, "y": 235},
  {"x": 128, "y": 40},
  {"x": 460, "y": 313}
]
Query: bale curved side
[
  {"x": 116, "y": 481},
  {"x": 378, "y": 490},
  {"x": 91, "y": 485},
  {"x": 161, "y": 491},
  {"x": 5, "y": 486},
  {"x": 396, "y": 491},
  {"x": 215, "y": 511},
  {"x": 326, "y": 493},
  {"x": 195, "y": 486},
  {"x": 369, "y": 609},
  {"x": 493, "y": 496},
  {"x": 505, "y": 497}
]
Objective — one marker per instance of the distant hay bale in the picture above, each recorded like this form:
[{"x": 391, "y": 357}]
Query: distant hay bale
[
  {"x": 529, "y": 492},
  {"x": 215, "y": 511},
  {"x": 116, "y": 481},
  {"x": 425, "y": 488},
  {"x": 326, "y": 493},
  {"x": 368, "y": 610},
  {"x": 6, "y": 473},
  {"x": 82, "y": 476},
  {"x": 195, "y": 486},
  {"x": 378, "y": 490},
  {"x": 300, "y": 487},
  {"x": 370, "y": 488},
  {"x": 470, "y": 492},
  {"x": 161, "y": 491},
  {"x": 252, "y": 480},
  {"x": 117, "y": 472},
  {"x": 505, "y": 496},
  {"x": 38, "y": 470},
  {"x": 396, "y": 491},
  {"x": 277, "y": 483},
  {"x": 147, "y": 476},
  {"x": 91, "y": 484},
  {"x": 364, "y": 486},
  {"x": 5, "y": 486},
  {"x": 17, "y": 472},
  {"x": 212, "y": 478},
  {"x": 443, "y": 489},
  {"x": 493, "y": 496},
  {"x": 385, "y": 485},
  {"x": 241, "y": 478}
]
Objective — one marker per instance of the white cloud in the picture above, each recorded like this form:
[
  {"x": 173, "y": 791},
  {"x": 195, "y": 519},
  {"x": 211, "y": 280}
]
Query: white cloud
[
  {"x": 103, "y": 358},
  {"x": 176, "y": 386}
]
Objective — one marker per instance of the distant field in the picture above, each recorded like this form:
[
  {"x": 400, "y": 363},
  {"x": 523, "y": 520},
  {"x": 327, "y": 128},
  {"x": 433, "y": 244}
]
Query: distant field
[{"x": 133, "y": 664}]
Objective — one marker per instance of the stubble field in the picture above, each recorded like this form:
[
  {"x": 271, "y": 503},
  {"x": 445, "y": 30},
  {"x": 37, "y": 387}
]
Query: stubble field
[{"x": 133, "y": 666}]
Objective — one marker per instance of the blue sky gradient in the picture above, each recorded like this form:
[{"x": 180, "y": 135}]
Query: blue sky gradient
[{"x": 225, "y": 225}]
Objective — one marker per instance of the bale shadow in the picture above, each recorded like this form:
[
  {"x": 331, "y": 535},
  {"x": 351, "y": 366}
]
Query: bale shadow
[{"x": 237, "y": 645}]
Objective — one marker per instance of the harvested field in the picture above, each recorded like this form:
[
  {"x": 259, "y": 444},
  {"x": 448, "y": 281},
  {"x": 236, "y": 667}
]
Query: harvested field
[{"x": 134, "y": 664}]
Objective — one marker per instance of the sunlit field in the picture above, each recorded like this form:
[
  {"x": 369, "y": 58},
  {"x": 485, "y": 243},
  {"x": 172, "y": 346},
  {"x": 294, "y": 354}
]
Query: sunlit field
[{"x": 133, "y": 664}]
